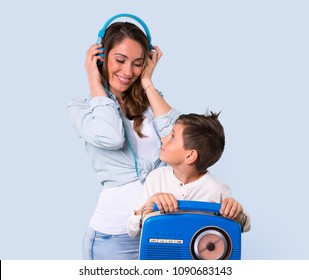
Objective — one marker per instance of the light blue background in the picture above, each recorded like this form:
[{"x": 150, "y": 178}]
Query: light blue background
[{"x": 248, "y": 59}]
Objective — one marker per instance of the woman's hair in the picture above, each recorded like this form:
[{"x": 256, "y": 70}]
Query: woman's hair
[
  {"x": 205, "y": 134},
  {"x": 135, "y": 100}
]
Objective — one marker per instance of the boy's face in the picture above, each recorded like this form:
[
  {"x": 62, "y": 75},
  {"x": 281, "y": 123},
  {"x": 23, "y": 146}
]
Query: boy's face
[{"x": 172, "y": 151}]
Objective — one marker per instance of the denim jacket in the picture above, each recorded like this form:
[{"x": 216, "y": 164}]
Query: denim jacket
[{"x": 110, "y": 142}]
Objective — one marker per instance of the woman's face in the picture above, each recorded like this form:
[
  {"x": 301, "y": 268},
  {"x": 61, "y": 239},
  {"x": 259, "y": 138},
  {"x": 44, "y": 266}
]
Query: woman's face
[{"x": 125, "y": 63}]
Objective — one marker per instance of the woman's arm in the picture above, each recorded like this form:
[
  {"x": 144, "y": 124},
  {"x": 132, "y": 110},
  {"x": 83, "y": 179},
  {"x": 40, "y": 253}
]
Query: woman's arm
[
  {"x": 158, "y": 105},
  {"x": 97, "y": 121}
]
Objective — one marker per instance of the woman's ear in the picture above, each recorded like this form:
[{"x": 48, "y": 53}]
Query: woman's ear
[{"x": 191, "y": 156}]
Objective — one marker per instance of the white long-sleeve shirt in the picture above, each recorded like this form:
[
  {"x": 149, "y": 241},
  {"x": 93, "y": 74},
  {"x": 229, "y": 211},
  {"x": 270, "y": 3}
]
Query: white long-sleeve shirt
[{"x": 206, "y": 188}]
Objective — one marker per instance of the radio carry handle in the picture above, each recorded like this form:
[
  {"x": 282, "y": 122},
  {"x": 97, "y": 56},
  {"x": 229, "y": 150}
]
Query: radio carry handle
[{"x": 187, "y": 205}]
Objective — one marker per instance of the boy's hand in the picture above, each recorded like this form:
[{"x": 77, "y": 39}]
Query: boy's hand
[
  {"x": 230, "y": 208},
  {"x": 166, "y": 202}
]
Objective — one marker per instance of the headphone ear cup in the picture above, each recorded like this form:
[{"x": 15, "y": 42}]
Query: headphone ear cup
[
  {"x": 100, "y": 63},
  {"x": 101, "y": 54}
]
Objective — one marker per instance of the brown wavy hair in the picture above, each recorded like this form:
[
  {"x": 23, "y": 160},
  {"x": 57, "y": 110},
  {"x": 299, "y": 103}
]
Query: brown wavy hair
[{"x": 135, "y": 100}]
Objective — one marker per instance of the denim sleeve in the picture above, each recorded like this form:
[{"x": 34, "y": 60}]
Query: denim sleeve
[
  {"x": 97, "y": 121},
  {"x": 165, "y": 123}
]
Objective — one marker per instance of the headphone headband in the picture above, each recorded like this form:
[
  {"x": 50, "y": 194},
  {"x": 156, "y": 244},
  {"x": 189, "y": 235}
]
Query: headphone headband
[{"x": 101, "y": 33}]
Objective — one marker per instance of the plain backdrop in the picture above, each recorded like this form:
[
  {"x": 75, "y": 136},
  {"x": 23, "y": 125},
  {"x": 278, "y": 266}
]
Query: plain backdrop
[{"x": 247, "y": 59}]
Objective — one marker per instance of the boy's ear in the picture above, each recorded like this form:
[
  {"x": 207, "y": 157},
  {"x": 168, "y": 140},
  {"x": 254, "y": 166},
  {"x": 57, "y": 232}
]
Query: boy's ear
[{"x": 191, "y": 156}]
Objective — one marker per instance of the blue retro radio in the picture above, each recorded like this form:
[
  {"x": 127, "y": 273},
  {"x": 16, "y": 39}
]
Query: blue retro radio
[{"x": 195, "y": 232}]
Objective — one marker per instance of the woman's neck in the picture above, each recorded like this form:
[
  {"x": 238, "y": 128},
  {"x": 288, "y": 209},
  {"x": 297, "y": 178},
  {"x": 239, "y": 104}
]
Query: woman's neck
[
  {"x": 118, "y": 96},
  {"x": 120, "y": 101}
]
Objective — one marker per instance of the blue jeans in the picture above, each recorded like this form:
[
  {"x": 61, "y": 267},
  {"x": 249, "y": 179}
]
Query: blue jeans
[{"x": 101, "y": 246}]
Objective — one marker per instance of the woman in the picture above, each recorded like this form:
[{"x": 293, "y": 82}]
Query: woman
[{"x": 121, "y": 123}]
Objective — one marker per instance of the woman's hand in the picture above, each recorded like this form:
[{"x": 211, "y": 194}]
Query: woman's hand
[
  {"x": 93, "y": 74},
  {"x": 158, "y": 105},
  {"x": 152, "y": 59}
]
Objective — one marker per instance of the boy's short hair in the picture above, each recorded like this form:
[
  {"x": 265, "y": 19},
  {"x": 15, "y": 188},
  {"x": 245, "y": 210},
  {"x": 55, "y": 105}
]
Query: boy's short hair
[{"x": 205, "y": 134}]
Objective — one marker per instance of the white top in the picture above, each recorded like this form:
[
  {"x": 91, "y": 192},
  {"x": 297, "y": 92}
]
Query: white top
[
  {"x": 115, "y": 204},
  {"x": 206, "y": 188}
]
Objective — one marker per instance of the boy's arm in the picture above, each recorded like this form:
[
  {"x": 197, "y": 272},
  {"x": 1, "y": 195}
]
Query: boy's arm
[
  {"x": 166, "y": 202},
  {"x": 245, "y": 221},
  {"x": 232, "y": 209},
  {"x": 133, "y": 226},
  {"x": 134, "y": 221}
]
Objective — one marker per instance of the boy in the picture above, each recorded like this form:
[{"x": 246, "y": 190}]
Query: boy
[{"x": 195, "y": 143}]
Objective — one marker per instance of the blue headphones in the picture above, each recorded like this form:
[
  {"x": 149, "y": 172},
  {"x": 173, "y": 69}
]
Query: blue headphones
[{"x": 140, "y": 21}]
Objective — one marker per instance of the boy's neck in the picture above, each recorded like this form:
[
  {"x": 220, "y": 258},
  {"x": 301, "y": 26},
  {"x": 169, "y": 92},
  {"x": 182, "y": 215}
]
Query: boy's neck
[{"x": 187, "y": 175}]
